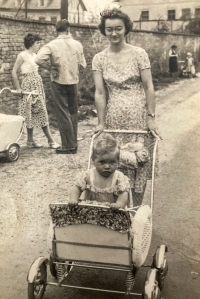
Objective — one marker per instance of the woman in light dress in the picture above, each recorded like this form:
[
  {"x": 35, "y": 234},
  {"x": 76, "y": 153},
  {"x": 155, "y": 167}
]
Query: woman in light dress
[
  {"x": 32, "y": 108},
  {"x": 124, "y": 93}
]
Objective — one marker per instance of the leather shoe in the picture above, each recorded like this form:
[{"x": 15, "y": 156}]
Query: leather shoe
[{"x": 66, "y": 151}]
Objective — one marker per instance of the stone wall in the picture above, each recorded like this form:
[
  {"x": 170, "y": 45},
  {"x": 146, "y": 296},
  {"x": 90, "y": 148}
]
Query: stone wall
[
  {"x": 12, "y": 33},
  {"x": 158, "y": 44}
]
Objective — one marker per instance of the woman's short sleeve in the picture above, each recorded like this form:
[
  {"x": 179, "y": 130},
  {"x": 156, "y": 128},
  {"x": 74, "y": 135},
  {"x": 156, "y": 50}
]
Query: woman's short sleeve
[
  {"x": 96, "y": 63},
  {"x": 143, "y": 60},
  {"x": 21, "y": 55}
]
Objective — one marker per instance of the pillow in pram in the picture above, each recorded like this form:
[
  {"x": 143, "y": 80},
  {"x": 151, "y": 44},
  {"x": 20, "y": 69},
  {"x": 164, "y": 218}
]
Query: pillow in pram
[{"x": 134, "y": 154}]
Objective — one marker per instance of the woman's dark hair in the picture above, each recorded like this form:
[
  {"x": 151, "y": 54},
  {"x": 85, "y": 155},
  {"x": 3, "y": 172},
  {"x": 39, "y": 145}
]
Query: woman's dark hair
[
  {"x": 105, "y": 144},
  {"x": 173, "y": 46},
  {"x": 114, "y": 14},
  {"x": 30, "y": 39}
]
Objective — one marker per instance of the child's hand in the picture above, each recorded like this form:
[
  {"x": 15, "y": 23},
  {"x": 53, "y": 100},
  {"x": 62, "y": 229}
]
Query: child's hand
[
  {"x": 72, "y": 202},
  {"x": 54, "y": 73},
  {"x": 115, "y": 206}
]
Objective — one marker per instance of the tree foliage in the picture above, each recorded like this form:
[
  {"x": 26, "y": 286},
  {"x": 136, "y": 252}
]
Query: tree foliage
[{"x": 193, "y": 26}]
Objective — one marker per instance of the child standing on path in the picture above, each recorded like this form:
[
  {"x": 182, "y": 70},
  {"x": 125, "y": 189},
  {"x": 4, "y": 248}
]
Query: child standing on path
[
  {"x": 103, "y": 183},
  {"x": 190, "y": 68}
]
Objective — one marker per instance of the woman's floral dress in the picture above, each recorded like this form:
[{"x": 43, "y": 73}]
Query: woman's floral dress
[
  {"x": 126, "y": 105},
  {"x": 32, "y": 108}
]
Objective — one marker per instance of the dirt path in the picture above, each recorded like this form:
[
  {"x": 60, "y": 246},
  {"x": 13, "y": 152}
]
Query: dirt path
[{"x": 41, "y": 177}]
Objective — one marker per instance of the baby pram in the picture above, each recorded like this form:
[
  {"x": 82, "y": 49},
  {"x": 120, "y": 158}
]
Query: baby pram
[
  {"x": 11, "y": 129},
  {"x": 77, "y": 242},
  {"x": 186, "y": 72}
]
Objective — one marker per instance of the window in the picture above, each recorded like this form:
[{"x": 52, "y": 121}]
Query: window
[
  {"x": 18, "y": 2},
  {"x": 171, "y": 15},
  {"x": 144, "y": 15},
  {"x": 197, "y": 12},
  {"x": 73, "y": 3},
  {"x": 41, "y": 2},
  {"x": 186, "y": 14},
  {"x": 41, "y": 19},
  {"x": 53, "y": 19}
]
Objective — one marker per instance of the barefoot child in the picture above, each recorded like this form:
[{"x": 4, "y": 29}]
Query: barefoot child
[
  {"x": 103, "y": 182},
  {"x": 190, "y": 67}
]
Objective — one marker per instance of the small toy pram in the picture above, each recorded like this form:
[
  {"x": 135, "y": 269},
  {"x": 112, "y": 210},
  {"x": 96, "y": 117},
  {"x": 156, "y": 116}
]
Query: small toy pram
[
  {"x": 11, "y": 129},
  {"x": 186, "y": 72},
  {"x": 109, "y": 245}
]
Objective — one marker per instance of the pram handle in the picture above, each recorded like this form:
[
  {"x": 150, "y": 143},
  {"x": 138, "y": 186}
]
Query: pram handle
[
  {"x": 97, "y": 206},
  {"x": 15, "y": 91},
  {"x": 26, "y": 92},
  {"x": 126, "y": 131},
  {"x": 122, "y": 131}
]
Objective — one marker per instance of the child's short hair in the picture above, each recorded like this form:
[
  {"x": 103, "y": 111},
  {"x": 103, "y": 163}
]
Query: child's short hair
[{"x": 105, "y": 144}]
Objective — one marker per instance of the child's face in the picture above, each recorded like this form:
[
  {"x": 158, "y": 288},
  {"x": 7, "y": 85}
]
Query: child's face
[{"x": 106, "y": 164}]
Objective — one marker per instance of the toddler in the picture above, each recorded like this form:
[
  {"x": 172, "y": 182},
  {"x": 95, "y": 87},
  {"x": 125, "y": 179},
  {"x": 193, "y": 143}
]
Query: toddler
[
  {"x": 103, "y": 183},
  {"x": 190, "y": 68}
]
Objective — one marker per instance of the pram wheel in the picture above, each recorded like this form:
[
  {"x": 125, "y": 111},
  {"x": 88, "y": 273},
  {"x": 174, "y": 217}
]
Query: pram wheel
[
  {"x": 160, "y": 263},
  {"x": 37, "y": 280},
  {"x": 12, "y": 152},
  {"x": 161, "y": 275},
  {"x": 151, "y": 288}
]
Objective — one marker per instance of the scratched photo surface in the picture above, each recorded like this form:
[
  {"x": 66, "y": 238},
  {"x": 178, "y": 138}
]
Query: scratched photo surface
[{"x": 36, "y": 182}]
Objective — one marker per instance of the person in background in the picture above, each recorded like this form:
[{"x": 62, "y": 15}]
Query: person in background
[
  {"x": 173, "y": 63},
  {"x": 123, "y": 72},
  {"x": 190, "y": 67},
  {"x": 62, "y": 56},
  {"x": 33, "y": 107}
]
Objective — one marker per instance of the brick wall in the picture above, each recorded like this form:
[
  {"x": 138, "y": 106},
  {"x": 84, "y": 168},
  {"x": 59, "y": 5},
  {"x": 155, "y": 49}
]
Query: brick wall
[{"x": 12, "y": 33}]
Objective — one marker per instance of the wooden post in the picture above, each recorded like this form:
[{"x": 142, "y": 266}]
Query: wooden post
[
  {"x": 26, "y": 8},
  {"x": 64, "y": 9}
]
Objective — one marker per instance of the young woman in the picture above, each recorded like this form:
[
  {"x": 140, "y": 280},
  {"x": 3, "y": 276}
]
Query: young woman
[
  {"x": 173, "y": 63},
  {"x": 32, "y": 108},
  {"x": 123, "y": 71}
]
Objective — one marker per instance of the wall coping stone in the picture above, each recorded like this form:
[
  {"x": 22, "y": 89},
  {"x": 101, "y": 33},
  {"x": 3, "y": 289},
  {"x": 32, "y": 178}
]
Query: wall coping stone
[{"x": 5, "y": 17}]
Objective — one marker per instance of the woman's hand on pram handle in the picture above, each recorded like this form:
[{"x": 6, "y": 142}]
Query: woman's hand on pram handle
[
  {"x": 153, "y": 128},
  {"x": 72, "y": 202},
  {"x": 17, "y": 91},
  {"x": 115, "y": 206},
  {"x": 98, "y": 130}
]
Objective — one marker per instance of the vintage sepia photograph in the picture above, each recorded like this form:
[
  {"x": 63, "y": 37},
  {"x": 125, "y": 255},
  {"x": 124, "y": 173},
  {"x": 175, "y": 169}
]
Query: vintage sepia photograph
[{"x": 99, "y": 149}]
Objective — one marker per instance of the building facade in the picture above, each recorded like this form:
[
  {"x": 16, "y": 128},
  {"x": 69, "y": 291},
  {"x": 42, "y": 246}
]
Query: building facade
[
  {"x": 43, "y": 10},
  {"x": 160, "y": 9},
  {"x": 147, "y": 14}
]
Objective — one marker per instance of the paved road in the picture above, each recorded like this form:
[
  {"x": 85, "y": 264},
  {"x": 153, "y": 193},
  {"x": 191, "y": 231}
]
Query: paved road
[
  {"x": 177, "y": 205},
  {"x": 40, "y": 177}
]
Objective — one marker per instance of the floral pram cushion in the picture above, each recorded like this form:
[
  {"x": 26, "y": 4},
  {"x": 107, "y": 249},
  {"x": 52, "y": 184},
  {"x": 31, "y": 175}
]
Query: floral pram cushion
[{"x": 63, "y": 215}]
